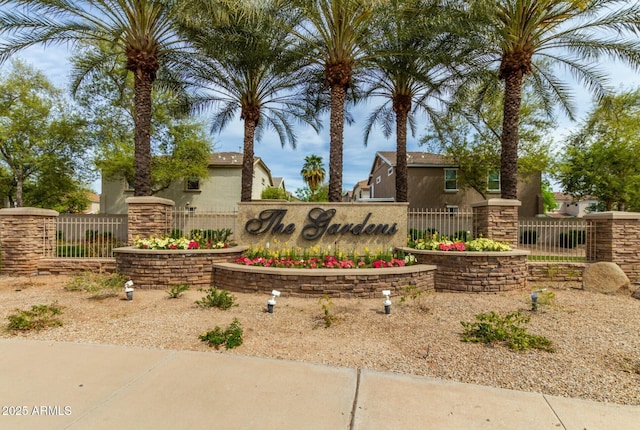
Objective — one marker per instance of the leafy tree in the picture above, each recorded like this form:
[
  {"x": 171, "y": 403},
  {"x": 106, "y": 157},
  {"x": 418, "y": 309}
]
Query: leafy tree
[
  {"x": 274, "y": 193},
  {"x": 321, "y": 194},
  {"x": 335, "y": 34},
  {"x": 41, "y": 142},
  {"x": 179, "y": 147},
  {"x": 574, "y": 34},
  {"x": 602, "y": 158},
  {"x": 141, "y": 32},
  {"x": 548, "y": 198},
  {"x": 313, "y": 173},
  {"x": 246, "y": 65},
  {"x": 471, "y": 137}
]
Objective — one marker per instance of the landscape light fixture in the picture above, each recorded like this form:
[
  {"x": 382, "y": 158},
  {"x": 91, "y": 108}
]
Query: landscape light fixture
[
  {"x": 387, "y": 301},
  {"x": 272, "y": 301},
  {"x": 534, "y": 299},
  {"x": 128, "y": 289}
]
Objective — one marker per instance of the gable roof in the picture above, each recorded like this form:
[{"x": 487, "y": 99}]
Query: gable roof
[{"x": 417, "y": 159}]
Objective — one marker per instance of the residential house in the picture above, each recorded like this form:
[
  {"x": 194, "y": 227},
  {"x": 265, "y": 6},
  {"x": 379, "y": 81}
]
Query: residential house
[
  {"x": 361, "y": 191},
  {"x": 220, "y": 191},
  {"x": 433, "y": 183},
  {"x": 568, "y": 206},
  {"x": 94, "y": 204}
]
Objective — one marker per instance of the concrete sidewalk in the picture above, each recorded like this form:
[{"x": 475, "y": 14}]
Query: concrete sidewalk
[{"x": 79, "y": 386}]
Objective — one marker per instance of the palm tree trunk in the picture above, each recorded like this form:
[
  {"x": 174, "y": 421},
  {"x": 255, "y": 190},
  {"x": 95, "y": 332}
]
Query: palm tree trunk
[
  {"x": 336, "y": 132},
  {"x": 247, "y": 159},
  {"x": 510, "y": 123},
  {"x": 401, "y": 156},
  {"x": 142, "y": 118}
]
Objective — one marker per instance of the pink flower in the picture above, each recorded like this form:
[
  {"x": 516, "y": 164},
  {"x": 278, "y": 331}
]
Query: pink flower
[{"x": 193, "y": 245}]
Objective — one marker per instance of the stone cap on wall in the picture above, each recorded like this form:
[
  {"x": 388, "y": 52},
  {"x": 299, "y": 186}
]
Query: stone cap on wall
[
  {"x": 28, "y": 212},
  {"x": 613, "y": 215},
  {"x": 149, "y": 200},
  {"x": 497, "y": 202}
]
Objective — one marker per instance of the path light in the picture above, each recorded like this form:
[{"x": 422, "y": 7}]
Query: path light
[
  {"x": 128, "y": 289},
  {"x": 387, "y": 301},
  {"x": 534, "y": 299},
  {"x": 272, "y": 301}
]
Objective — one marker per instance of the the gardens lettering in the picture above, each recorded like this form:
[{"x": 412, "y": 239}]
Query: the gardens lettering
[{"x": 319, "y": 223}]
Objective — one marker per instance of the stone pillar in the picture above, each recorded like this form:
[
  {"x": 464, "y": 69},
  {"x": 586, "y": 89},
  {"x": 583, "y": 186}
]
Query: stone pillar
[
  {"x": 26, "y": 236},
  {"x": 148, "y": 216},
  {"x": 497, "y": 219},
  {"x": 615, "y": 237}
]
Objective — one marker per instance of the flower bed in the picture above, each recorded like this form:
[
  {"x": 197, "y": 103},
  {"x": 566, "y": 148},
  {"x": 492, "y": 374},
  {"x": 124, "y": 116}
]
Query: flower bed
[{"x": 314, "y": 258}]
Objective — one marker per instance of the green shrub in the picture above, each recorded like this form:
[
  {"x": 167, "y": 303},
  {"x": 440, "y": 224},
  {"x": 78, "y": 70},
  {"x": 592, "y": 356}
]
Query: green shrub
[
  {"x": 215, "y": 298},
  {"x": 580, "y": 235},
  {"x": 70, "y": 251},
  {"x": 327, "y": 315},
  {"x": 91, "y": 235},
  {"x": 568, "y": 240},
  {"x": 176, "y": 290},
  {"x": 508, "y": 329},
  {"x": 39, "y": 317},
  {"x": 461, "y": 235},
  {"x": 60, "y": 235},
  {"x": 529, "y": 237},
  {"x": 231, "y": 337},
  {"x": 176, "y": 233}
]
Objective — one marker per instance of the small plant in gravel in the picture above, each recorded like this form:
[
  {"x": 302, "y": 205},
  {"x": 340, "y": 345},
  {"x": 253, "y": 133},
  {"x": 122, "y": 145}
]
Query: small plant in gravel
[
  {"x": 176, "y": 290},
  {"x": 39, "y": 317},
  {"x": 327, "y": 315},
  {"x": 544, "y": 299},
  {"x": 493, "y": 328},
  {"x": 215, "y": 298},
  {"x": 410, "y": 292},
  {"x": 99, "y": 285},
  {"x": 231, "y": 337}
]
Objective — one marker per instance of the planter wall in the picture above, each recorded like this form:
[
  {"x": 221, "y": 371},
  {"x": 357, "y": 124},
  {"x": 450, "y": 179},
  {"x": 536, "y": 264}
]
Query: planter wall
[
  {"x": 477, "y": 272},
  {"x": 363, "y": 283},
  {"x": 159, "y": 269},
  {"x": 74, "y": 266}
]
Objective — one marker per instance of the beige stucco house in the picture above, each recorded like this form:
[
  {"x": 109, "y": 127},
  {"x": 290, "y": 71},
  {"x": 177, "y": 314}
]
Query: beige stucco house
[
  {"x": 220, "y": 191},
  {"x": 433, "y": 183}
]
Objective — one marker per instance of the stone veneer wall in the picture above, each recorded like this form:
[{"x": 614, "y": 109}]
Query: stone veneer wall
[
  {"x": 350, "y": 283},
  {"x": 26, "y": 235},
  {"x": 476, "y": 272},
  {"x": 497, "y": 219},
  {"x": 148, "y": 216},
  {"x": 74, "y": 266},
  {"x": 617, "y": 240},
  {"x": 158, "y": 269},
  {"x": 556, "y": 272}
]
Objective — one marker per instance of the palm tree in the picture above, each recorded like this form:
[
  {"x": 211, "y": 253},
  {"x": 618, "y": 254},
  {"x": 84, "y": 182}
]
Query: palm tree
[
  {"x": 141, "y": 30},
  {"x": 246, "y": 65},
  {"x": 335, "y": 34},
  {"x": 313, "y": 173},
  {"x": 410, "y": 54},
  {"x": 574, "y": 34}
]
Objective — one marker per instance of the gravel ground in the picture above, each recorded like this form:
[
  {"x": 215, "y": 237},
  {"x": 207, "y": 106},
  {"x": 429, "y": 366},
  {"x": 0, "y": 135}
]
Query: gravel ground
[{"x": 597, "y": 337}]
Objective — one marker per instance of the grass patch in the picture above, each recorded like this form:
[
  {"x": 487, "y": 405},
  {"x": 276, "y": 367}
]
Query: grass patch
[
  {"x": 38, "y": 318},
  {"x": 99, "y": 285}
]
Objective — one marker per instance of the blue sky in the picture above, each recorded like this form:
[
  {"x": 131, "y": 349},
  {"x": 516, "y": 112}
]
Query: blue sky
[{"x": 287, "y": 162}]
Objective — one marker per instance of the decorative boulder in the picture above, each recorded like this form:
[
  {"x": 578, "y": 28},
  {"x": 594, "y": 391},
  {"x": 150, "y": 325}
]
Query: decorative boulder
[
  {"x": 604, "y": 277},
  {"x": 636, "y": 294}
]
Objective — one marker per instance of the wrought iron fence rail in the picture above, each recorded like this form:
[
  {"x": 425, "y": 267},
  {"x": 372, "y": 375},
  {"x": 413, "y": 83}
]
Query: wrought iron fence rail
[
  {"x": 88, "y": 236},
  {"x": 186, "y": 221}
]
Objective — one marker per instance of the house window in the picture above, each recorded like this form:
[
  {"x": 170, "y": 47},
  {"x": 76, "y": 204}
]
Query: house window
[
  {"x": 450, "y": 180},
  {"x": 493, "y": 182},
  {"x": 390, "y": 171},
  {"x": 378, "y": 180},
  {"x": 452, "y": 210},
  {"x": 192, "y": 184}
]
